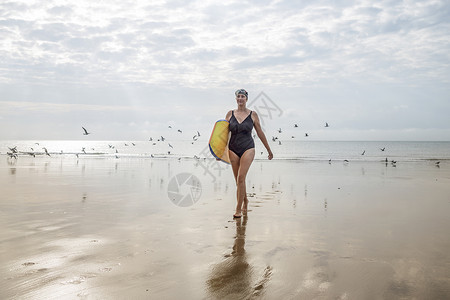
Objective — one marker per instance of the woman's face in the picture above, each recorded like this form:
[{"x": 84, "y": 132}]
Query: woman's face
[{"x": 241, "y": 99}]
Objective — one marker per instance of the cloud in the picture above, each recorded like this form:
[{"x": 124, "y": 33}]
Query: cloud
[
  {"x": 161, "y": 43},
  {"x": 126, "y": 54}
]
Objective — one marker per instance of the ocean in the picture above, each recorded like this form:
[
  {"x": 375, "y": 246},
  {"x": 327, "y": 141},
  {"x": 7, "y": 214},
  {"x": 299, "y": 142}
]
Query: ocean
[{"x": 284, "y": 150}]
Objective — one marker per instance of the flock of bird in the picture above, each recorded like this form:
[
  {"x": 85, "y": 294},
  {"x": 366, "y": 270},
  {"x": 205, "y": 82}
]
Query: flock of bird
[{"x": 13, "y": 152}]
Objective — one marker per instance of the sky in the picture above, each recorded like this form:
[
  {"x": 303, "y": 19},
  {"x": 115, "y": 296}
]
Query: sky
[{"x": 127, "y": 70}]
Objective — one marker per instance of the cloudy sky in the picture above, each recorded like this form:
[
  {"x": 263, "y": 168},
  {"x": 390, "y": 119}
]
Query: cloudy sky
[{"x": 126, "y": 70}]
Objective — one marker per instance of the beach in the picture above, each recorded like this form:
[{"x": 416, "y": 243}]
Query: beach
[{"x": 115, "y": 228}]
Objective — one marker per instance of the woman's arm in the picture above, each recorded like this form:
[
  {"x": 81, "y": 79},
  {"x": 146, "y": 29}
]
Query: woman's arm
[
  {"x": 261, "y": 134},
  {"x": 228, "y": 116}
]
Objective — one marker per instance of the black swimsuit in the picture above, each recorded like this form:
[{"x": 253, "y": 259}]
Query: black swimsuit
[{"x": 241, "y": 135}]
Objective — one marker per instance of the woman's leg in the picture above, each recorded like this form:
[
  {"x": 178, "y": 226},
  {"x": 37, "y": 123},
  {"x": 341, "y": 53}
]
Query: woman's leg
[
  {"x": 244, "y": 164},
  {"x": 235, "y": 161}
]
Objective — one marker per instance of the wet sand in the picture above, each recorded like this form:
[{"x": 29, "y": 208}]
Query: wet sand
[{"x": 106, "y": 228}]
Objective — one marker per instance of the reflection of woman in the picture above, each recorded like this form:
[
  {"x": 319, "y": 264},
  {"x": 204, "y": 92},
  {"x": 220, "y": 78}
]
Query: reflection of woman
[
  {"x": 231, "y": 279},
  {"x": 242, "y": 147}
]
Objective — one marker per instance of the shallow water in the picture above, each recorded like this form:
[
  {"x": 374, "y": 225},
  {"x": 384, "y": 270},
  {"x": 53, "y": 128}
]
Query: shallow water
[
  {"x": 107, "y": 227},
  {"x": 288, "y": 149}
]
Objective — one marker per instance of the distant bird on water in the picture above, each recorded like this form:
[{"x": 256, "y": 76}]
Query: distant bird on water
[
  {"x": 46, "y": 152},
  {"x": 85, "y": 131},
  {"x": 326, "y": 124}
]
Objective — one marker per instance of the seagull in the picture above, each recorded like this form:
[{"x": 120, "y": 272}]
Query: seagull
[
  {"x": 382, "y": 149},
  {"x": 329, "y": 161},
  {"x": 85, "y": 131},
  {"x": 279, "y": 130},
  {"x": 295, "y": 125},
  {"x": 306, "y": 134},
  {"x": 170, "y": 126},
  {"x": 151, "y": 139},
  {"x": 180, "y": 131},
  {"x": 198, "y": 133},
  {"x": 84, "y": 150},
  {"x": 279, "y": 142},
  {"x": 346, "y": 160},
  {"x": 292, "y": 137},
  {"x": 133, "y": 144},
  {"x": 46, "y": 152},
  {"x": 170, "y": 146},
  {"x": 363, "y": 152},
  {"x": 12, "y": 155},
  {"x": 326, "y": 124},
  {"x": 162, "y": 138},
  {"x": 195, "y": 137},
  {"x": 437, "y": 163},
  {"x": 13, "y": 149}
]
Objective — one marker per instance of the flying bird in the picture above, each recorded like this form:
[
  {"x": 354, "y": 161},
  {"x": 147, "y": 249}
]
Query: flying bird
[
  {"x": 326, "y": 124},
  {"x": 382, "y": 149},
  {"x": 306, "y": 135},
  {"x": 279, "y": 130},
  {"x": 13, "y": 149},
  {"x": 179, "y": 130},
  {"x": 85, "y": 131},
  {"x": 295, "y": 125},
  {"x": 364, "y": 152}
]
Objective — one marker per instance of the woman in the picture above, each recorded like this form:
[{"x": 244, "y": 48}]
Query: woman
[{"x": 242, "y": 147}]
